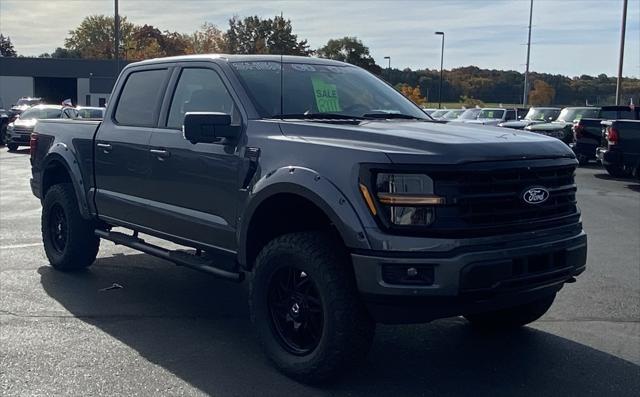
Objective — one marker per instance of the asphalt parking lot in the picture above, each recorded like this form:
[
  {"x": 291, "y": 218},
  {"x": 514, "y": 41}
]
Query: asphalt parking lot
[{"x": 173, "y": 331}]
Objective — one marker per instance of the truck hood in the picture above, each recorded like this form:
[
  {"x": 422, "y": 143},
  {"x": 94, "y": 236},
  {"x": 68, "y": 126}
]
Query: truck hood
[
  {"x": 553, "y": 126},
  {"x": 429, "y": 143}
]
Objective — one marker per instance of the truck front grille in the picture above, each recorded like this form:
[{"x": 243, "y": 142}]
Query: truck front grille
[{"x": 490, "y": 201}]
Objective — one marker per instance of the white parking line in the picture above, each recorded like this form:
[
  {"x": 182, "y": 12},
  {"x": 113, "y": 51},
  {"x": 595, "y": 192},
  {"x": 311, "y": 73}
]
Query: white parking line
[{"x": 2, "y": 247}]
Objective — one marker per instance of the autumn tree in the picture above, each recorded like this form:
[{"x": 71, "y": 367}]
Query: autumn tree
[
  {"x": 542, "y": 94},
  {"x": 94, "y": 37},
  {"x": 253, "y": 35},
  {"x": 6, "y": 47},
  {"x": 413, "y": 93},
  {"x": 207, "y": 40},
  {"x": 148, "y": 41},
  {"x": 351, "y": 50}
]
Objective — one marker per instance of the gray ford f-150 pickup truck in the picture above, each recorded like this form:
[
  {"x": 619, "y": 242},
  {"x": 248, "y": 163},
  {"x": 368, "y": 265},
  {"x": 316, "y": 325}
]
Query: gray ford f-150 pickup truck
[{"x": 340, "y": 200}]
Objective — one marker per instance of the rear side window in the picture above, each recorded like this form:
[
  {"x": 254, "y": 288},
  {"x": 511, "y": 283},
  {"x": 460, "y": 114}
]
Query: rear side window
[
  {"x": 139, "y": 98},
  {"x": 511, "y": 115}
]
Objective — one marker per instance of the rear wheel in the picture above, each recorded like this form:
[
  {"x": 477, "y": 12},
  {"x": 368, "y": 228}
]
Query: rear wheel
[
  {"x": 69, "y": 239},
  {"x": 305, "y": 307},
  {"x": 12, "y": 147},
  {"x": 582, "y": 159},
  {"x": 616, "y": 171},
  {"x": 512, "y": 317}
]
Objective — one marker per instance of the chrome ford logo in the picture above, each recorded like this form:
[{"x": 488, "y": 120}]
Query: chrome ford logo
[{"x": 535, "y": 195}]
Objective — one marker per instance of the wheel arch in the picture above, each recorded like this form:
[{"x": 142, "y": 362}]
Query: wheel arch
[
  {"x": 309, "y": 196},
  {"x": 60, "y": 167}
]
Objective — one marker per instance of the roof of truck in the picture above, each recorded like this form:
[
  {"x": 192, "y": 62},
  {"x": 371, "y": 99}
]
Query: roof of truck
[{"x": 240, "y": 58}]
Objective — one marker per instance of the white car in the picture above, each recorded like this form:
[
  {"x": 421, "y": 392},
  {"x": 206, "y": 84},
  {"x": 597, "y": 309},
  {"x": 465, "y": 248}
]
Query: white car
[{"x": 494, "y": 116}]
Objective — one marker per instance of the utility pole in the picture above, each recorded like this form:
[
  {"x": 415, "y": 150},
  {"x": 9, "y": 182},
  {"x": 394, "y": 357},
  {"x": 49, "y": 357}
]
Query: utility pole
[
  {"x": 441, "y": 63},
  {"x": 116, "y": 39},
  {"x": 525, "y": 96},
  {"x": 621, "y": 59}
]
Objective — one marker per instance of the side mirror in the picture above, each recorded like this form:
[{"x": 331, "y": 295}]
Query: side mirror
[{"x": 208, "y": 127}]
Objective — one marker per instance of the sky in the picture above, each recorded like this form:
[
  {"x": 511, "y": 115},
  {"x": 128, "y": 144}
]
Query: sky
[{"x": 569, "y": 37}]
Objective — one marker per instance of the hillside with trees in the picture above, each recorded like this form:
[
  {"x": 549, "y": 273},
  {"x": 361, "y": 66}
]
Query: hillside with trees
[{"x": 470, "y": 85}]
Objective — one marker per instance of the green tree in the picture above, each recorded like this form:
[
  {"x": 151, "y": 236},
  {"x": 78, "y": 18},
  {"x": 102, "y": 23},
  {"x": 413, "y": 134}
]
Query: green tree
[
  {"x": 253, "y": 35},
  {"x": 149, "y": 42},
  {"x": 351, "y": 50},
  {"x": 6, "y": 47},
  {"x": 94, "y": 38},
  {"x": 207, "y": 40},
  {"x": 61, "y": 53}
]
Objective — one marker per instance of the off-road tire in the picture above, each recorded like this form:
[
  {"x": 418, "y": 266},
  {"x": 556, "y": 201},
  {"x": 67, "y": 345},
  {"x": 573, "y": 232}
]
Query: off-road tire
[
  {"x": 616, "y": 171},
  {"x": 81, "y": 245},
  {"x": 512, "y": 317},
  {"x": 12, "y": 147},
  {"x": 347, "y": 330}
]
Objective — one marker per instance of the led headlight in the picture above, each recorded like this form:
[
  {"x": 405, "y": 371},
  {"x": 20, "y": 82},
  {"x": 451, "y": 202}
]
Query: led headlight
[{"x": 407, "y": 199}]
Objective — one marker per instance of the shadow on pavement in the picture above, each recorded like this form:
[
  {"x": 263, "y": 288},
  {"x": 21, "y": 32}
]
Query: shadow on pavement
[{"x": 197, "y": 328}]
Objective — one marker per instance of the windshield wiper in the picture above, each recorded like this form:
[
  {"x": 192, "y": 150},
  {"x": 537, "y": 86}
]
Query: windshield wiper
[
  {"x": 391, "y": 116},
  {"x": 316, "y": 116}
]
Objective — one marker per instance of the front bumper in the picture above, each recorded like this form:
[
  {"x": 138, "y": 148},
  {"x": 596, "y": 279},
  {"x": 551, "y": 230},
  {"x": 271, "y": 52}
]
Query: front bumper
[
  {"x": 467, "y": 281},
  {"x": 21, "y": 139}
]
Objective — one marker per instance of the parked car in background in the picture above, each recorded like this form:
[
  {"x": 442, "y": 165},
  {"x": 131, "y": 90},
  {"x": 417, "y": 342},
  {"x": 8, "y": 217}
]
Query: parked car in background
[
  {"x": 23, "y": 104},
  {"x": 468, "y": 115},
  {"x": 4, "y": 121},
  {"x": 621, "y": 155},
  {"x": 535, "y": 115},
  {"x": 452, "y": 114},
  {"x": 88, "y": 112},
  {"x": 19, "y": 131},
  {"x": 494, "y": 116},
  {"x": 561, "y": 128},
  {"x": 588, "y": 132},
  {"x": 438, "y": 114}
]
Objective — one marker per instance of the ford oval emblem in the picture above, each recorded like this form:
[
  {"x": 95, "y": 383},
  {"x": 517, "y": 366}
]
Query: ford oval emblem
[{"x": 535, "y": 195}]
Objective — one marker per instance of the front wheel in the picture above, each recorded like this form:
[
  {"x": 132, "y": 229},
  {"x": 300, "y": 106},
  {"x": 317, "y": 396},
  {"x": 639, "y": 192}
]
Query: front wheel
[
  {"x": 306, "y": 309},
  {"x": 512, "y": 317},
  {"x": 69, "y": 239},
  {"x": 12, "y": 147}
]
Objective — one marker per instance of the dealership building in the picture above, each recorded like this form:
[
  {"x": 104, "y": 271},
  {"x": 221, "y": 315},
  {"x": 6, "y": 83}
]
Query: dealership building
[{"x": 87, "y": 82}]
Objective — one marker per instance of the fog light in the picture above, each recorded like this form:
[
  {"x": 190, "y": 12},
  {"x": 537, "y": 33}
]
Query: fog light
[{"x": 408, "y": 274}]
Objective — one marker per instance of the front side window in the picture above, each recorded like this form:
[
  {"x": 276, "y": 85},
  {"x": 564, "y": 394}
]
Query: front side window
[
  {"x": 200, "y": 90},
  {"x": 308, "y": 88},
  {"x": 568, "y": 115},
  {"x": 139, "y": 98}
]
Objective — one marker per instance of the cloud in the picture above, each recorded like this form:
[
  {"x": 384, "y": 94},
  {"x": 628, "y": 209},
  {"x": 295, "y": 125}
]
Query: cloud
[{"x": 570, "y": 37}]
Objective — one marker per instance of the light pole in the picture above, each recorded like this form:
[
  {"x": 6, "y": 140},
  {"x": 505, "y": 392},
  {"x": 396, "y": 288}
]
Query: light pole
[
  {"x": 388, "y": 68},
  {"x": 621, "y": 59},
  {"x": 525, "y": 96},
  {"x": 441, "y": 63},
  {"x": 116, "y": 39}
]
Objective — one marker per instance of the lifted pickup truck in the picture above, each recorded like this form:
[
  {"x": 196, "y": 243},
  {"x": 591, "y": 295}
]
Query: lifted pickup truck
[
  {"x": 621, "y": 155},
  {"x": 588, "y": 133},
  {"x": 341, "y": 201}
]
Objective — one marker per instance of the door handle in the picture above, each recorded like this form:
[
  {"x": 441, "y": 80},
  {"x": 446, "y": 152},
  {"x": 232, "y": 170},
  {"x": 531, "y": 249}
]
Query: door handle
[
  {"x": 106, "y": 147},
  {"x": 161, "y": 153}
]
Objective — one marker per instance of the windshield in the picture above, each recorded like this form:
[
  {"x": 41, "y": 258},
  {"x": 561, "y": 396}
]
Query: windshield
[
  {"x": 570, "y": 114},
  {"x": 542, "y": 114},
  {"x": 308, "y": 89},
  {"x": 439, "y": 113},
  {"x": 90, "y": 113},
  {"x": 29, "y": 102},
  {"x": 452, "y": 114},
  {"x": 491, "y": 114},
  {"x": 40, "y": 113},
  {"x": 469, "y": 114}
]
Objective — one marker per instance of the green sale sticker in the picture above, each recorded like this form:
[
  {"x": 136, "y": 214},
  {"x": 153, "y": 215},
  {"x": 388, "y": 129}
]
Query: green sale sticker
[{"x": 326, "y": 96}]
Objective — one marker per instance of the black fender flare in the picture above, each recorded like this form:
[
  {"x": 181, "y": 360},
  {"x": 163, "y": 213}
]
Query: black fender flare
[
  {"x": 311, "y": 186},
  {"x": 60, "y": 153}
]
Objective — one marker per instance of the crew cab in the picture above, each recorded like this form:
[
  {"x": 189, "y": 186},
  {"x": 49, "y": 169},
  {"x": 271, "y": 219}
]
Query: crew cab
[
  {"x": 621, "y": 155},
  {"x": 341, "y": 201},
  {"x": 494, "y": 116},
  {"x": 561, "y": 128},
  {"x": 535, "y": 115},
  {"x": 588, "y": 132}
]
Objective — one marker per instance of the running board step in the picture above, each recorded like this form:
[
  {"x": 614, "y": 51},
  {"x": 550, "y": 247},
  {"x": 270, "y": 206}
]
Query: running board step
[{"x": 180, "y": 258}]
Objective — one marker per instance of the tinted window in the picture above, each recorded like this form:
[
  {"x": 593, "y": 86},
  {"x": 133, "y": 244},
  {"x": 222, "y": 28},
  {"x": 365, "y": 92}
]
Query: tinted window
[
  {"x": 200, "y": 90},
  {"x": 511, "y": 115},
  {"x": 41, "y": 113},
  {"x": 139, "y": 97}
]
